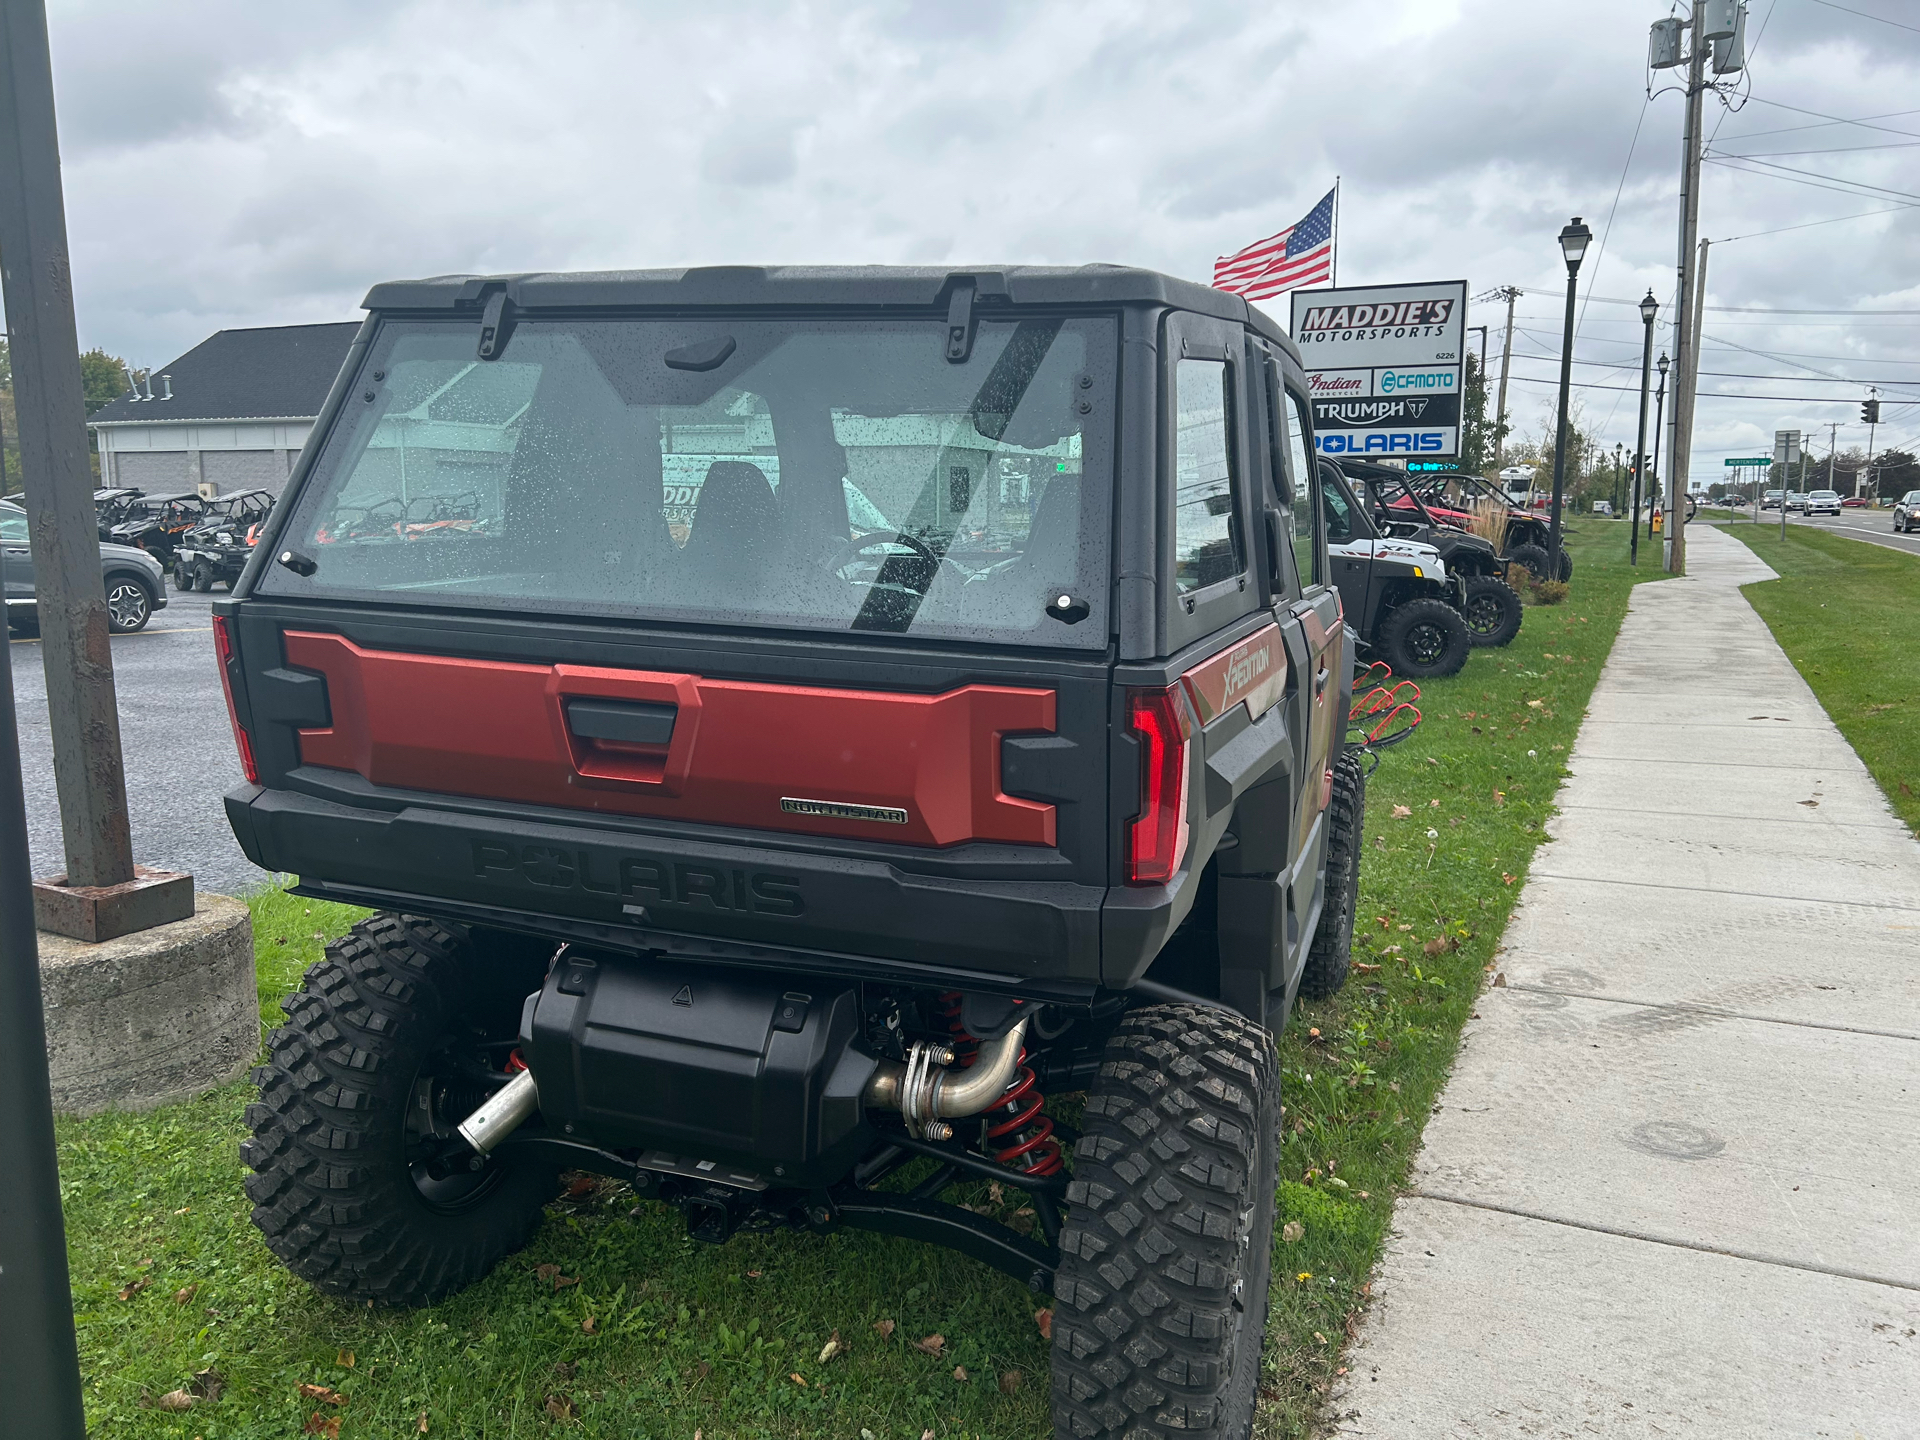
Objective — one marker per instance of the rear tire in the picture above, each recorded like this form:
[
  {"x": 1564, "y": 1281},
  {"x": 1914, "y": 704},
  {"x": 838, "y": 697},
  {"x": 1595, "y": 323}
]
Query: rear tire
[
  {"x": 1492, "y": 612},
  {"x": 337, "y": 1188},
  {"x": 1167, "y": 1253},
  {"x": 202, "y": 579},
  {"x": 1332, "y": 949},
  {"x": 182, "y": 578},
  {"x": 1565, "y": 567},
  {"x": 1531, "y": 558},
  {"x": 1425, "y": 639}
]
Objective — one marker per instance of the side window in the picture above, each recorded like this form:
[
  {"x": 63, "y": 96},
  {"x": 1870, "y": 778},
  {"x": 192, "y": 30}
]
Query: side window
[
  {"x": 1288, "y": 578},
  {"x": 1307, "y": 553},
  {"x": 13, "y": 529},
  {"x": 1207, "y": 544},
  {"x": 1339, "y": 517}
]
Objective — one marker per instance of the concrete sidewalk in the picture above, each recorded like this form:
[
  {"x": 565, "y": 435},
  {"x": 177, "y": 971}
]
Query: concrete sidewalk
[{"x": 1673, "y": 1187}]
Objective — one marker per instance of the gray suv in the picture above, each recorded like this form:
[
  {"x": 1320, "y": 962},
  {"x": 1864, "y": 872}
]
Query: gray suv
[
  {"x": 132, "y": 578},
  {"x": 1906, "y": 511}
]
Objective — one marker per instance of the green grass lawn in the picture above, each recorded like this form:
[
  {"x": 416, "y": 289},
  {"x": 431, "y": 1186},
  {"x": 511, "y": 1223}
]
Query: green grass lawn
[
  {"x": 1848, "y": 615},
  {"x": 665, "y": 1337}
]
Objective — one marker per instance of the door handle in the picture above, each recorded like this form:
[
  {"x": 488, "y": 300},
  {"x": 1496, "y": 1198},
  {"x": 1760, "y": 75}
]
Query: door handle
[{"x": 1320, "y": 682}]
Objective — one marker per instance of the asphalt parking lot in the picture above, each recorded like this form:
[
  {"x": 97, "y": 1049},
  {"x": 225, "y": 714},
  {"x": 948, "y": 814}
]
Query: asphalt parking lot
[{"x": 178, "y": 745}]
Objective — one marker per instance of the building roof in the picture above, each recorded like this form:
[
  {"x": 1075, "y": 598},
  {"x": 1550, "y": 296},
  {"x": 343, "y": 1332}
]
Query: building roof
[
  {"x": 920, "y": 287},
  {"x": 276, "y": 372}
]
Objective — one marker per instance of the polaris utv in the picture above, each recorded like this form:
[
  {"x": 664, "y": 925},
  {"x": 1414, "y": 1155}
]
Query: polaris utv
[
  {"x": 1453, "y": 495},
  {"x": 1476, "y": 574},
  {"x": 155, "y": 523},
  {"x": 1395, "y": 591},
  {"x": 218, "y": 548},
  {"x": 856, "y": 703}
]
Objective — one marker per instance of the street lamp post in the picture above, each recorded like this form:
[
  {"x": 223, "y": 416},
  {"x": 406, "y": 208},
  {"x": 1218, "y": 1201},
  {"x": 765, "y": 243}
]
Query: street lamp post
[
  {"x": 1649, "y": 307},
  {"x": 1659, "y": 420},
  {"x": 1574, "y": 240}
]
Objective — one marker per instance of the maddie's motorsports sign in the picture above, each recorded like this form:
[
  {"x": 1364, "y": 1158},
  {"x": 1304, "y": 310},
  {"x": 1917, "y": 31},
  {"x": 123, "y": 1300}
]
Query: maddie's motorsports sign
[{"x": 1384, "y": 367}]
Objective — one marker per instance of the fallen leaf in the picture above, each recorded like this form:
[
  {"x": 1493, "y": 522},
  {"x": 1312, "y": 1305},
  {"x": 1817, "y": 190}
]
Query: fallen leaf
[
  {"x": 1292, "y": 1231},
  {"x": 176, "y": 1400},
  {"x": 322, "y": 1394},
  {"x": 1364, "y": 968},
  {"x": 559, "y": 1407},
  {"x": 1009, "y": 1381},
  {"x": 207, "y": 1384},
  {"x": 702, "y": 1370},
  {"x": 798, "y": 1379},
  {"x": 580, "y": 1185},
  {"x": 1313, "y": 1032},
  {"x": 1406, "y": 927},
  {"x": 1506, "y": 879},
  {"x": 1535, "y": 704},
  {"x": 566, "y": 1370},
  {"x": 884, "y": 1329},
  {"x": 1044, "y": 1319},
  {"x": 183, "y": 1210},
  {"x": 833, "y": 1347},
  {"x": 926, "y": 1434},
  {"x": 420, "y": 1425},
  {"x": 1433, "y": 804},
  {"x": 322, "y": 1425},
  {"x": 755, "y": 1274},
  {"x": 960, "y": 1373},
  {"x": 931, "y": 1345},
  {"x": 1499, "y": 798},
  {"x": 1433, "y": 947},
  {"x": 134, "y": 1287},
  {"x": 561, "y": 1282},
  {"x": 344, "y": 1359},
  {"x": 1318, "y": 1336},
  {"x": 590, "y": 1325},
  {"x": 1500, "y": 981},
  {"x": 1810, "y": 804},
  {"x": 546, "y": 1272},
  {"x": 1401, "y": 812},
  {"x": 184, "y": 1294}
]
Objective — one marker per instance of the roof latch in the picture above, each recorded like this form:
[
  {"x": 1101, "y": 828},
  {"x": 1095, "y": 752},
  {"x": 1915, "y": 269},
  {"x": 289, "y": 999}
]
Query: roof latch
[
  {"x": 960, "y": 322},
  {"x": 496, "y": 324}
]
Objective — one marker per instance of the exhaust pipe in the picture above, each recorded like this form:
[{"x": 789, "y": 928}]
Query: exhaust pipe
[
  {"x": 502, "y": 1114},
  {"x": 926, "y": 1093}
]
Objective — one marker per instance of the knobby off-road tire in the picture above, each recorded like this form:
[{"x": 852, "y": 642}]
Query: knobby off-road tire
[
  {"x": 1332, "y": 949},
  {"x": 1531, "y": 558},
  {"x": 1167, "y": 1253},
  {"x": 333, "y": 1190},
  {"x": 1492, "y": 611},
  {"x": 1425, "y": 639}
]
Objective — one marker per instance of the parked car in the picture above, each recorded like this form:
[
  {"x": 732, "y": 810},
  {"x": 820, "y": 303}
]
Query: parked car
[
  {"x": 133, "y": 579},
  {"x": 1796, "y": 501},
  {"x": 1855, "y": 502},
  {"x": 1042, "y": 785},
  {"x": 1822, "y": 502},
  {"x": 1906, "y": 512},
  {"x": 1771, "y": 500}
]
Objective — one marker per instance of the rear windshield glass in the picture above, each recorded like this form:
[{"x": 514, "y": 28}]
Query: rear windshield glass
[{"x": 815, "y": 474}]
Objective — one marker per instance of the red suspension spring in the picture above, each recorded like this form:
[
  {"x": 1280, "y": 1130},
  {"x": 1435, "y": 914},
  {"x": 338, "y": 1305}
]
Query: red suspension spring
[
  {"x": 1031, "y": 1145},
  {"x": 965, "y": 1048}
]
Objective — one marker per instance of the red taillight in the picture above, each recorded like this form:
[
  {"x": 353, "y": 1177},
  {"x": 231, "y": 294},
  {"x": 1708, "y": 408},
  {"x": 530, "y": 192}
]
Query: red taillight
[
  {"x": 1157, "y": 838},
  {"x": 229, "y": 659}
]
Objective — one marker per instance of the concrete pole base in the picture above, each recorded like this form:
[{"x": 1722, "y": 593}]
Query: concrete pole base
[{"x": 152, "y": 1017}]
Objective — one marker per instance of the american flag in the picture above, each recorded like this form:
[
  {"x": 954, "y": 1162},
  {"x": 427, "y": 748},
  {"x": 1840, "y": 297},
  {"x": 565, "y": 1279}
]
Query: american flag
[{"x": 1300, "y": 255}]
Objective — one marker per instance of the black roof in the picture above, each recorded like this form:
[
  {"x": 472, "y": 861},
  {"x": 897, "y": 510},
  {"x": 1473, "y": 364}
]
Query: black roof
[
  {"x": 279, "y": 372},
  {"x": 920, "y": 287}
]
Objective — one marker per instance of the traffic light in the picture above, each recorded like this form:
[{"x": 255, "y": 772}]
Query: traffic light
[{"x": 1869, "y": 412}]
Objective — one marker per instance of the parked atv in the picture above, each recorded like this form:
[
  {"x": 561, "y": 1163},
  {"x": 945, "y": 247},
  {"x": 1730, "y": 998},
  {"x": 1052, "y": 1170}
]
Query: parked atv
[
  {"x": 1403, "y": 606},
  {"x": 218, "y": 548},
  {"x": 1453, "y": 495},
  {"x": 155, "y": 523},
  {"x": 751, "y": 844},
  {"x": 1479, "y": 588}
]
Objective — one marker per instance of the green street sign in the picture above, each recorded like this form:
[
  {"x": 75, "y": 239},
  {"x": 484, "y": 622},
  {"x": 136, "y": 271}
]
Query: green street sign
[{"x": 1752, "y": 460}]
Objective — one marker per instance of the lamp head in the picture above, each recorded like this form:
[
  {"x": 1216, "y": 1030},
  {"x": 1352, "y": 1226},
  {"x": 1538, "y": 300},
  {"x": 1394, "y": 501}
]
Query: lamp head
[
  {"x": 1574, "y": 241},
  {"x": 1664, "y": 362},
  {"x": 1649, "y": 307}
]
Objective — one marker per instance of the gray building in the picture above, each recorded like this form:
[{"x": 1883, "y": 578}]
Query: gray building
[{"x": 230, "y": 414}]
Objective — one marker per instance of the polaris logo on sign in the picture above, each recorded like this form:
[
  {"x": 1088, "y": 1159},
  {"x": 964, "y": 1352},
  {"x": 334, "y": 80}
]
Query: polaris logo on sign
[
  {"x": 1388, "y": 442},
  {"x": 840, "y": 810}
]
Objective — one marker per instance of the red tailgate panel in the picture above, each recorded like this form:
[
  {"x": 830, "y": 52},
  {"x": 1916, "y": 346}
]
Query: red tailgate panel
[{"x": 498, "y": 730}]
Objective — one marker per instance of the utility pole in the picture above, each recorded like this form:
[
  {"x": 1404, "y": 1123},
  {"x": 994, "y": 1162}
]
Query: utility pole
[
  {"x": 1511, "y": 293},
  {"x": 1680, "y": 440},
  {"x": 1872, "y": 411},
  {"x": 39, "y": 1360}
]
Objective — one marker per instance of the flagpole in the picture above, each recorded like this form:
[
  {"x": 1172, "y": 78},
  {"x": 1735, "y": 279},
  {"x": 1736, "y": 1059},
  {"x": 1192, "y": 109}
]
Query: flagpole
[{"x": 1333, "y": 256}]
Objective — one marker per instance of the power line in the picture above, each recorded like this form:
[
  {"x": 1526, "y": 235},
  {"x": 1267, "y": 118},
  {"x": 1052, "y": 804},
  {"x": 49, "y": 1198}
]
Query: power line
[
  {"x": 1723, "y": 374},
  {"x": 1809, "y": 224},
  {"x": 1736, "y": 309},
  {"x": 1790, "y": 175},
  {"x": 1704, "y": 394},
  {"x": 1836, "y": 119},
  {"x": 1899, "y": 24},
  {"x": 1829, "y": 124},
  {"x": 1607, "y": 229},
  {"x": 1831, "y": 150}
]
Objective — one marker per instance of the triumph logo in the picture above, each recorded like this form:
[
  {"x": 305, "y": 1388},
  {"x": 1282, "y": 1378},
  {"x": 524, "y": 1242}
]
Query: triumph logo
[
  {"x": 1368, "y": 412},
  {"x": 840, "y": 810}
]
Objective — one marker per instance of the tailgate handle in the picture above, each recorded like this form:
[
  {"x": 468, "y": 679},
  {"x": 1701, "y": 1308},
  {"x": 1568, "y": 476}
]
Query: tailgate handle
[{"x": 629, "y": 722}]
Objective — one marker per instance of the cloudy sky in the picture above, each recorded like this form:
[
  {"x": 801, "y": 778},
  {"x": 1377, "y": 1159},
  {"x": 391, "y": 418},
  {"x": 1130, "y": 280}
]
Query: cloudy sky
[{"x": 247, "y": 164}]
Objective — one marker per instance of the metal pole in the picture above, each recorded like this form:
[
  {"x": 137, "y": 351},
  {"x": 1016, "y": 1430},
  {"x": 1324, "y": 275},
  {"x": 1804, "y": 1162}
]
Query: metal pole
[
  {"x": 1866, "y": 472},
  {"x": 1659, "y": 422},
  {"x": 1685, "y": 354},
  {"x": 1506, "y": 362},
  {"x": 51, "y": 419},
  {"x": 1560, "y": 432},
  {"x": 1640, "y": 447}
]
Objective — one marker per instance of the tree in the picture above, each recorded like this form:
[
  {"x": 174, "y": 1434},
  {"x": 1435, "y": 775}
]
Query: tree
[
  {"x": 1895, "y": 472},
  {"x": 1478, "y": 437},
  {"x": 103, "y": 378}
]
